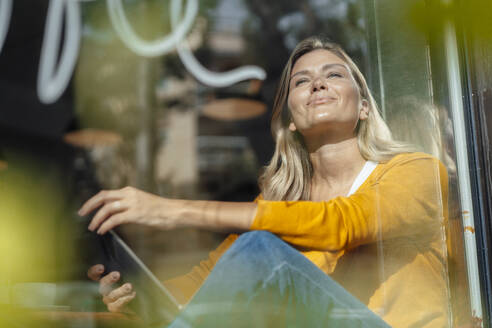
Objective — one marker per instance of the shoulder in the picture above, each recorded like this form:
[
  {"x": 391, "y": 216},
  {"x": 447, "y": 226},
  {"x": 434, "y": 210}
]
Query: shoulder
[
  {"x": 409, "y": 157},
  {"x": 417, "y": 174},
  {"x": 411, "y": 164}
]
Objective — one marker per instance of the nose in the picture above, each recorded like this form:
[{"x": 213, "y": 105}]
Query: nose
[{"x": 319, "y": 84}]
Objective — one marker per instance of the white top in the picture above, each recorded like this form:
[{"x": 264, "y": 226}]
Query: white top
[{"x": 366, "y": 171}]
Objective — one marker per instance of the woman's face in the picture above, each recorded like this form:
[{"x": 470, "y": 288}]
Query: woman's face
[{"x": 323, "y": 96}]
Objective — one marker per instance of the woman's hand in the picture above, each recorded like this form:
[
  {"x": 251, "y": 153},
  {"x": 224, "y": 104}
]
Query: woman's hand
[
  {"x": 129, "y": 205},
  {"x": 116, "y": 299}
]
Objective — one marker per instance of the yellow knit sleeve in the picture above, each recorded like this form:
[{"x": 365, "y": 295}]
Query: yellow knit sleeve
[{"x": 408, "y": 196}]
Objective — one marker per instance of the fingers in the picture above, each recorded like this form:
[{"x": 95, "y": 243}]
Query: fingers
[
  {"x": 120, "y": 303},
  {"x": 112, "y": 222},
  {"x": 107, "y": 211},
  {"x": 118, "y": 293},
  {"x": 99, "y": 199},
  {"x": 115, "y": 299},
  {"x": 95, "y": 272},
  {"x": 106, "y": 282}
]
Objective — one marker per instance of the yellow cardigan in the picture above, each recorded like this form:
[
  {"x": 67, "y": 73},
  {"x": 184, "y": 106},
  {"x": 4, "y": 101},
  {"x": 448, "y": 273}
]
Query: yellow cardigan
[{"x": 385, "y": 243}]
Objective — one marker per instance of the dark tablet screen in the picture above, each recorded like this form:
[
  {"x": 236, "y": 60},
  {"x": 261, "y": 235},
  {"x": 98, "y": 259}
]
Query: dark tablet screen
[{"x": 153, "y": 303}]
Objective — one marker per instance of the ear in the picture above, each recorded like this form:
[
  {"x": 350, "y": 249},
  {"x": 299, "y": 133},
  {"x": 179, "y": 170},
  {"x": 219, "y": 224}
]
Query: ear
[
  {"x": 292, "y": 127},
  {"x": 364, "y": 110}
]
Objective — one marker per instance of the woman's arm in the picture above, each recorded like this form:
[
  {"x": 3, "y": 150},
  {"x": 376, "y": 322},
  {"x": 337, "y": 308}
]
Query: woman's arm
[
  {"x": 130, "y": 205},
  {"x": 407, "y": 198},
  {"x": 228, "y": 216}
]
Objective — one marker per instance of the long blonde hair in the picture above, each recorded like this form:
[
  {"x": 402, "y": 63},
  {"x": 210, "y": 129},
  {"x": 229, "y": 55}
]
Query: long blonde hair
[{"x": 289, "y": 174}]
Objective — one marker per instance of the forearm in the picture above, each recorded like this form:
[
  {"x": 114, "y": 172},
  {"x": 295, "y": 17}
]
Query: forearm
[
  {"x": 211, "y": 215},
  {"x": 130, "y": 205}
]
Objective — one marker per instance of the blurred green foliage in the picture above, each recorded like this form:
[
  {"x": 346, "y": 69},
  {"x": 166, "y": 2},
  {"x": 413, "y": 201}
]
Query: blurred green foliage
[
  {"x": 473, "y": 16},
  {"x": 33, "y": 241}
]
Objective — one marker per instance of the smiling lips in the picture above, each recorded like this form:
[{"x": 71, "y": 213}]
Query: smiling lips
[{"x": 321, "y": 100}]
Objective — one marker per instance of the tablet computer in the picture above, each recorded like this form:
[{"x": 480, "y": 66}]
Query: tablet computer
[{"x": 153, "y": 302}]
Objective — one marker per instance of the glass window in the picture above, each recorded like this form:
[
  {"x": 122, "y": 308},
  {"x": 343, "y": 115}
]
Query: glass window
[{"x": 120, "y": 102}]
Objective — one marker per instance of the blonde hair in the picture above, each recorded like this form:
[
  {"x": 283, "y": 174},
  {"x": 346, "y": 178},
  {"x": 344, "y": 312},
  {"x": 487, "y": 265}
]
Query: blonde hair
[{"x": 289, "y": 174}]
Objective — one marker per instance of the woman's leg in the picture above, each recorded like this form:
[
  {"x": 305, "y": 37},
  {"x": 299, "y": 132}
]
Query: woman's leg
[{"x": 262, "y": 282}]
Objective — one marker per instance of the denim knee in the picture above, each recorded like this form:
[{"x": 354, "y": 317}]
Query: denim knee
[
  {"x": 258, "y": 237},
  {"x": 259, "y": 243},
  {"x": 256, "y": 249}
]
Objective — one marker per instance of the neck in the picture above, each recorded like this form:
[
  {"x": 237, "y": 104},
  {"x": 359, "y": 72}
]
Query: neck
[{"x": 335, "y": 165}]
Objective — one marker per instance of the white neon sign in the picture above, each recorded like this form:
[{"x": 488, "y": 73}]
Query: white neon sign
[
  {"x": 201, "y": 73},
  {"x": 5, "y": 14},
  {"x": 153, "y": 48},
  {"x": 52, "y": 80}
]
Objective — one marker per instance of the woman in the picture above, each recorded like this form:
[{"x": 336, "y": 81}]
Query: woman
[{"x": 339, "y": 193}]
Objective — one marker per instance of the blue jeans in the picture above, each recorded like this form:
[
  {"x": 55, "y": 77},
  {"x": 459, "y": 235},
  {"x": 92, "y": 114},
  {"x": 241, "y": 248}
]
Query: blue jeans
[{"x": 261, "y": 281}]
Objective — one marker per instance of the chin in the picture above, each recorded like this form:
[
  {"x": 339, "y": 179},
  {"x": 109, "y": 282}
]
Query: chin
[
  {"x": 321, "y": 126},
  {"x": 323, "y": 119}
]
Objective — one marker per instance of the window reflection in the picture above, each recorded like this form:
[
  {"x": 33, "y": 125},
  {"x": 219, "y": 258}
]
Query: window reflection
[{"x": 149, "y": 123}]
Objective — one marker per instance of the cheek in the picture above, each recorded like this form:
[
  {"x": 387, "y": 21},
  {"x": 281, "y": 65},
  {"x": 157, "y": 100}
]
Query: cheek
[
  {"x": 351, "y": 95},
  {"x": 292, "y": 103},
  {"x": 295, "y": 108},
  {"x": 295, "y": 100},
  {"x": 289, "y": 101},
  {"x": 355, "y": 93}
]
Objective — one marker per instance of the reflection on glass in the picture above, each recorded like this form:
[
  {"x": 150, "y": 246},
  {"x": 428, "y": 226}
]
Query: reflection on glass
[{"x": 150, "y": 123}]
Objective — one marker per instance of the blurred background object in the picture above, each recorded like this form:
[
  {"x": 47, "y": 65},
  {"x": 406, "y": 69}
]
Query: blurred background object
[
  {"x": 148, "y": 122},
  {"x": 92, "y": 138},
  {"x": 233, "y": 109}
]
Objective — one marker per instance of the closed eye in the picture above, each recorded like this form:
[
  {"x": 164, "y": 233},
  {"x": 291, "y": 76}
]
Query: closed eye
[
  {"x": 300, "y": 81},
  {"x": 334, "y": 75}
]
